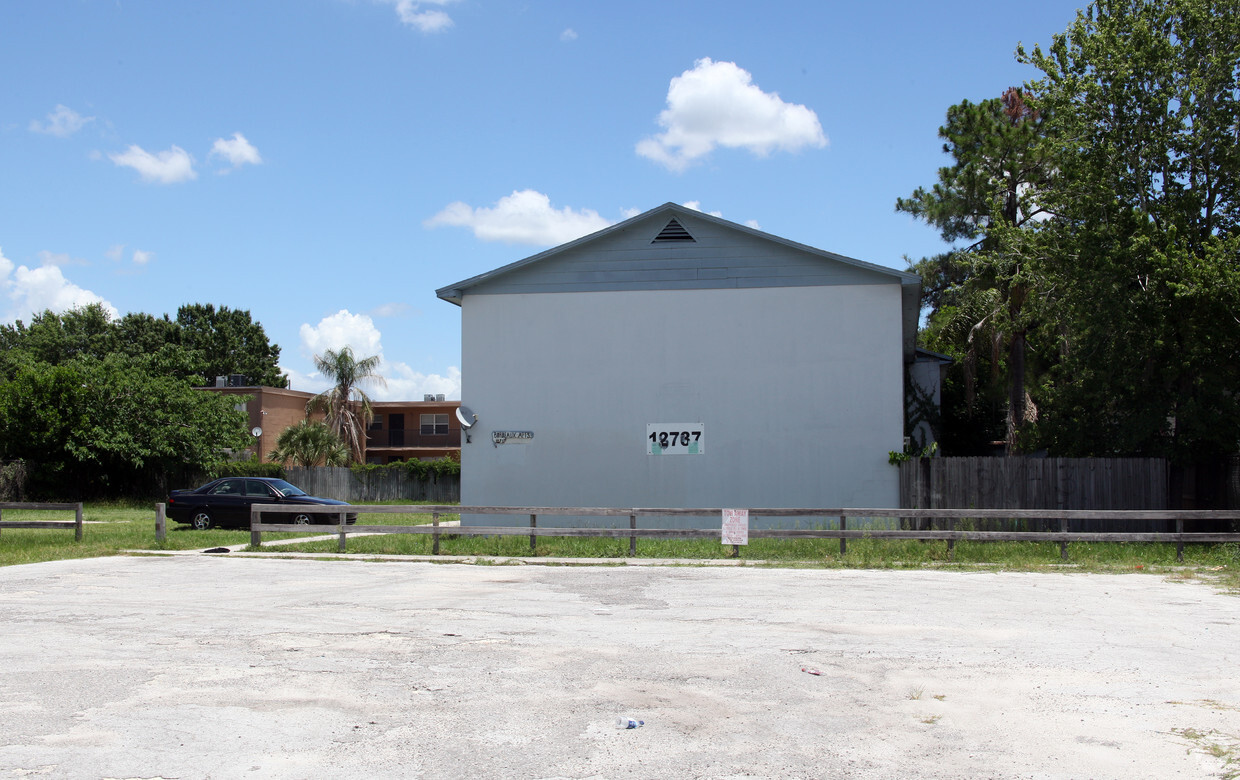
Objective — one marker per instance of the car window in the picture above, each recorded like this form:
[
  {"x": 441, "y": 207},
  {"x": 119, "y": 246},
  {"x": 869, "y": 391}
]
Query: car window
[
  {"x": 254, "y": 487},
  {"x": 287, "y": 488},
  {"x": 229, "y": 487}
]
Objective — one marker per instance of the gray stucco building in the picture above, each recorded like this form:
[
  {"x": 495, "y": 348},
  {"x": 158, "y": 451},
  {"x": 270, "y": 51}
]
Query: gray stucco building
[{"x": 677, "y": 359}]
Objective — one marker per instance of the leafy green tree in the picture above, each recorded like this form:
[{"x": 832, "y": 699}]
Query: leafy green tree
[
  {"x": 228, "y": 341},
  {"x": 201, "y": 344},
  {"x": 89, "y": 427},
  {"x": 57, "y": 338},
  {"x": 1143, "y": 107},
  {"x": 979, "y": 293},
  {"x": 310, "y": 444},
  {"x": 97, "y": 406},
  {"x": 139, "y": 333},
  {"x": 345, "y": 405}
]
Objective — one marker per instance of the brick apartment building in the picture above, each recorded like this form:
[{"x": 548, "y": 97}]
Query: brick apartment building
[{"x": 402, "y": 430}]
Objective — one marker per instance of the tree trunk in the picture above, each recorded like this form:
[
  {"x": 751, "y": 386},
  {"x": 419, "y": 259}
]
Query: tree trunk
[{"x": 1016, "y": 390}]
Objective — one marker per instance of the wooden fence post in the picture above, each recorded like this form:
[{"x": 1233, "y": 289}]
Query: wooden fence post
[
  {"x": 435, "y": 536},
  {"x": 161, "y": 523},
  {"x": 1179, "y": 543},
  {"x": 951, "y": 543},
  {"x": 533, "y": 537},
  {"x": 77, "y": 523},
  {"x": 1063, "y": 546},
  {"x": 632, "y": 536},
  {"x": 925, "y": 496},
  {"x": 256, "y": 536},
  {"x": 343, "y": 523},
  {"x": 843, "y": 541}
]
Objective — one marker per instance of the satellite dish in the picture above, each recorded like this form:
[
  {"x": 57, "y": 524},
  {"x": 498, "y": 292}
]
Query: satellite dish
[
  {"x": 256, "y": 431},
  {"x": 467, "y": 418}
]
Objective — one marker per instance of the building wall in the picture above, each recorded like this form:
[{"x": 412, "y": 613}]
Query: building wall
[
  {"x": 798, "y": 390},
  {"x": 274, "y": 409},
  {"x": 271, "y": 408},
  {"x": 926, "y": 376}
]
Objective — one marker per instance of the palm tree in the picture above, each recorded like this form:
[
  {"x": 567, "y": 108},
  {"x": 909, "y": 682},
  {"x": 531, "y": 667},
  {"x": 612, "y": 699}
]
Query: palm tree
[
  {"x": 345, "y": 405},
  {"x": 310, "y": 444}
]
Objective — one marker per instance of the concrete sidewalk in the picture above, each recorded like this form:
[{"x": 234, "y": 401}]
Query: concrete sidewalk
[{"x": 225, "y": 666}]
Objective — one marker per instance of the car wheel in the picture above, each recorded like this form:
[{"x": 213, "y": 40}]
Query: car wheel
[
  {"x": 201, "y": 520},
  {"x": 302, "y": 519}
]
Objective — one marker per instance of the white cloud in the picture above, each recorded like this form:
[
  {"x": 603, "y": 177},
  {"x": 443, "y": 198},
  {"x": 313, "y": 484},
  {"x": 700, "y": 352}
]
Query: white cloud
[
  {"x": 58, "y": 258},
  {"x": 568, "y": 35},
  {"x": 402, "y": 383},
  {"x": 342, "y": 329},
  {"x": 62, "y": 122},
  {"x": 414, "y": 13},
  {"x": 358, "y": 332},
  {"x": 307, "y": 383},
  {"x": 116, "y": 253},
  {"x": 524, "y": 217},
  {"x": 26, "y": 291},
  {"x": 696, "y": 205},
  {"x": 391, "y": 310},
  {"x": 174, "y": 165},
  {"x": 405, "y": 384},
  {"x": 717, "y": 104},
  {"x": 237, "y": 151}
]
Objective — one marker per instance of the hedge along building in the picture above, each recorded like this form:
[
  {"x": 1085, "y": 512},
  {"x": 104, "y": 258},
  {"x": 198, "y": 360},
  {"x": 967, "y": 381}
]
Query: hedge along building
[{"x": 680, "y": 360}]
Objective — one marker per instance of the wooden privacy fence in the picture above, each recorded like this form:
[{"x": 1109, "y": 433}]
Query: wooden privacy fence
[
  {"x": 387, "y": 485},
  {"x": 76, "y": 524},
  {"x": 1101, "y": 484},
  {"x": 952, "y": 524}
]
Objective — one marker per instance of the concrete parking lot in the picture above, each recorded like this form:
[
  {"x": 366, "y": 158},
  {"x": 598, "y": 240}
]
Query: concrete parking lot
[{"x": 231, "y": 667}]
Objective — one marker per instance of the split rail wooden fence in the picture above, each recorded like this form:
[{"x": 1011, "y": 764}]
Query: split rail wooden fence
[
  {"x": 953, "y": 524},
  {"x": 75, "y": 524}
]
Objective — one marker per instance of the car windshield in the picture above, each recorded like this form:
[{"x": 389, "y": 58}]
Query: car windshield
[{"x": 287, "y": 488}]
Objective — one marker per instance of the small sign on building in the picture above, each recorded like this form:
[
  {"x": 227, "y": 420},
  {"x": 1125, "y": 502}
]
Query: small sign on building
[
  {"x": 736, "y": 526},
  {"x": 675, "y": 439},
  {"x": 511, "y": 437}
]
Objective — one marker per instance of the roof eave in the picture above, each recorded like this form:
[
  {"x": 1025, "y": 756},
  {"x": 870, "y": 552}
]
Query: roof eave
[{"x": 454, "y": 293}]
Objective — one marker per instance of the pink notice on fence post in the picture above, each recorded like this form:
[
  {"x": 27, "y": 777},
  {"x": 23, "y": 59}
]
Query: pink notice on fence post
[{"x": 736, "y": 526}]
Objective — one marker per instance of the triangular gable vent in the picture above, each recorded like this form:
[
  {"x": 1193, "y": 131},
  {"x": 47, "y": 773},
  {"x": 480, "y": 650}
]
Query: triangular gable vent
[{"x": 674, "y": 231}]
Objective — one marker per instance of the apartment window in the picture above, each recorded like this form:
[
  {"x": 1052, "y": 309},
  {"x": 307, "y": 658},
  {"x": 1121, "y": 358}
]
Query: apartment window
[
  {"x": 377, "y": 423},
  {"x": 434, "y": 424}
]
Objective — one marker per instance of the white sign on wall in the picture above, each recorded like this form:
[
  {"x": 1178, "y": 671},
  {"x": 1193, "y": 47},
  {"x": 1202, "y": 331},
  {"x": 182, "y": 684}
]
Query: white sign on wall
[
  {"x": 675, "y": 439},
  {"x": 736, "y": 526}
]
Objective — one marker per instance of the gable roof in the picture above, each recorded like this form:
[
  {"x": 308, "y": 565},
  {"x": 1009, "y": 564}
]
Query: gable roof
[{"x": 675, "y": 247}]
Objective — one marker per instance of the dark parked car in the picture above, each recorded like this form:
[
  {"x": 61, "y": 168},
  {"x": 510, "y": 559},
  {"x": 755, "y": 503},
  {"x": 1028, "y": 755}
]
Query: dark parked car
[{"x": 227, "y": 502}]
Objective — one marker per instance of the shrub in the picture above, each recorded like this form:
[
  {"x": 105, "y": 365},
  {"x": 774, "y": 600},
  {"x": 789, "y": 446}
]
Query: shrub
[
  {"x": 12, "y": 480},
  {"x": 419, "y": 469},
  {"x": 249, "y": 468}
]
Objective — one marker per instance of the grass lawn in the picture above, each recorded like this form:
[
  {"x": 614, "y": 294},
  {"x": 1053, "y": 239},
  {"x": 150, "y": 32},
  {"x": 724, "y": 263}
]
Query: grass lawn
[{"x": 112, "y": 528}]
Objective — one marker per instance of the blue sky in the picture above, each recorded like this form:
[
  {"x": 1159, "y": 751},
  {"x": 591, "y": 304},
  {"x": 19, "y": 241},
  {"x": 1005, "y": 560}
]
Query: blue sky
[{"x": 328, "y": 164}]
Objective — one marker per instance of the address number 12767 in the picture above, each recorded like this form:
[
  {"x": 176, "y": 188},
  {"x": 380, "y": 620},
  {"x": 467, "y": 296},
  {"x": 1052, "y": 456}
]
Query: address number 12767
[{"x": 674, "y": 439}]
